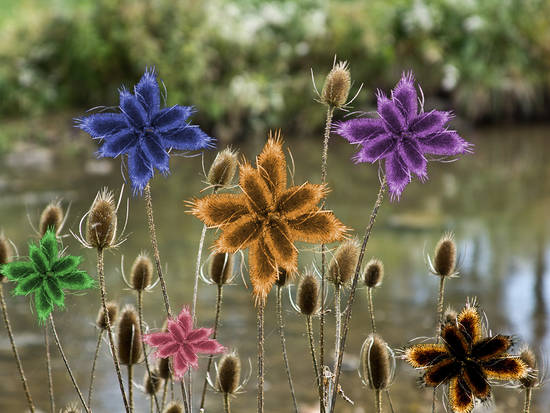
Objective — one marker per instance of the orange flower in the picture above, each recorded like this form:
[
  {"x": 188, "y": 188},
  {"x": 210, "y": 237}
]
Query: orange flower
[{"x": 268, "y": 217}]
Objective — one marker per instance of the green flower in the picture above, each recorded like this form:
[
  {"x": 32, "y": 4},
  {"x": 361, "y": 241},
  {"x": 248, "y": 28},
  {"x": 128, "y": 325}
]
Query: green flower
[{"x": 46, "y": 275}]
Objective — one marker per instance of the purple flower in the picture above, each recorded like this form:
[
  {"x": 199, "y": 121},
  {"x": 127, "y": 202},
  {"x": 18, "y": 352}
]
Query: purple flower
[
  {"x": 144, "y": 131},
  {"x": 402, "y": 136}
]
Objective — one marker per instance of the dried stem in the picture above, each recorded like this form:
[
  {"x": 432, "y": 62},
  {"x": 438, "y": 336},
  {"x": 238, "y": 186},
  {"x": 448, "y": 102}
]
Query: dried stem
[
  {"x": 130, "y": 368},
  {"x": 283, "y": 345},
  {"x": 338, "y": 317},
  {"x": 101, "y": 276},
  {"x": 214, "y": 335},
  {"x": 71, "y": 375},
  {"x": 378, "y": 401},
  {"x": 164, "y": 392},
  {"x": 260, "y": 314},
  {"x": 226, "y": 404},
  {"x": 15, "y": 352},
  {"x": 371, "y": 310},
  {"x": 527, "y": 403},
  {"x": 351, "y": 298},
  {"x": 49, "y": 369},
  {"x": 92, "y": 374},
  {"x": 309, "y": 327},
  {"x": 439, "y": 321}
]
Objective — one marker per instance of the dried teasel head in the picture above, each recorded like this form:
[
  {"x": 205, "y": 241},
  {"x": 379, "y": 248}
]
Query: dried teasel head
[
  {"x": 152, "y": 383},
  {"x": 102, "y": 221},
  {"x": 344, "y": 262},
  {"x": 229, "y": 374},
  {"x": 173, "y": 407},
  {"x": 284, "y": 278},
  {"x": 308, "y": 294},
  {"x": 374, "y": 273},
  {"x": 223, "y": 168},
  {"x": 532, "y": 379},
  {"x": 377, "y": 363},
  {"x": 450, "y": 316},
  {"x": 52, "y": 217},
  {"x": 444, "y": 262},
  {"x": 337, "y": 85},
  {"x": 141, "y": 274},
  {"x": 221, "y": 268},
  {"x": 6, "y": 253},
  {"x": 112, "y": 310},
  {"x": 129, "y": 337},
  {"x": 163, "y": 368}
]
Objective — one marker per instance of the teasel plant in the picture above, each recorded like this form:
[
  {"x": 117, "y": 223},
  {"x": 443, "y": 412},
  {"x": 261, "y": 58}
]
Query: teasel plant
[
  {"x": 7, "y": 252},
  {"x": 377, "y": 368},
  {"x": 372, "y": 278},
  {"x": 101, "y": 233},
  {"x": 228, "y": 378},
  {"x": 534, "y": 378},
  {"x": 220, "y": 275},
  {"x": 101, "y": 325},
  {"x": 174, "y": 407},
  {"x": 152, "y": 382}
]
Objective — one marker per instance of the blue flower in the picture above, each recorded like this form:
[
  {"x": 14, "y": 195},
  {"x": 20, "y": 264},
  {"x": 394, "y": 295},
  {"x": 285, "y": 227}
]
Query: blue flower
[{"x": 144, "y": 131}]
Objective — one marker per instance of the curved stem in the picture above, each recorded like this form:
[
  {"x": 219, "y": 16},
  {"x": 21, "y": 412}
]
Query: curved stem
[
  {"x": 371, "y": 310},
  {"x": 260, "y": 316},
  {"x": 283, "y": 345},
  {"x": 92, "y": 374},
  {"x": 309, "y": 327},
  {"x": 527, "y": 403},
  {"x": 101, "y": 276},
  {"x": 49, "y": 369},
  {"x": 351, "y": 298},
  {"x": 226, "y": 404},
  {"x": 15, "y": 352},
  {"x": 214, "y": 335},
  {"x": 377, "y": 401},
  {"x": 60, "y": 348}
]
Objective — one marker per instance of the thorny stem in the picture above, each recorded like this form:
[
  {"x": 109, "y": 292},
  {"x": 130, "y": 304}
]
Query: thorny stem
[
  {"x": 49, "y": 369},
  {"x": 351, "y": 298},
  {"x": 147, "y": 366},
  {"x": 92, "y": 374},
  {"x": 439, "y": 321},
  {"x": 130, "y": 386},
  {"x": 527, "y": 403},
  {"x": 216, "y": 322},
  {"x": 283, "y": 345},
  {"x": 101, "y": 276},
  {"x": 338, "y": 317},
  {"x": 226, "y": 404},
  {"x": 378, "y": 401},
  {"x": 260, "y": 317},
  {"x": 371, "y": 310},
  {"x": 309, "y": 327},
  {"x": 14, "y": 350},
  {"x": 60, "y": 348}
]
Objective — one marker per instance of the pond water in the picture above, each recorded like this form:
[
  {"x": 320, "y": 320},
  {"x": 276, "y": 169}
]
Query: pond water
[{"x": 496, "y": 202}]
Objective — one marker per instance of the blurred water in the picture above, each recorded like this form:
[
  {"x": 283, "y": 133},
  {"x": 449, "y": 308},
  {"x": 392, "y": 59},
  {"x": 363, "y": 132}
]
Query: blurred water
[{"x": 495, "y": 201}]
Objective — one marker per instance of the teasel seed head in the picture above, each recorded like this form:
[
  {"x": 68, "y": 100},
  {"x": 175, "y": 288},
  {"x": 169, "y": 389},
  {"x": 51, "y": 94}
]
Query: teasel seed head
[
  {"x": 342, "y": 266},
  {"x": 102, "y": 221},
  {"x": 337, "y": 84},
  {"x": 71, "y": 408},
  {"x": 377, "y": 363},
  {"x": 129, "y": 338},
  {"x": 221, "y": 268},
  {"x": 112, "y": 309},
  {"x": 223, "y": 168},
  {"x": 163, "y": 368},
  {"x": 530, "y": 360},
  {"x": 445, "y": 256},
  {"x": 151, "y": 384},
  {"x": 449, "y": 316},
  {"x": 51, "y": 217},
  {"x": 308, "y": 295},
  {"x": 173, "y": 407},
  {"x": 229, "y": 374},
  {"x": 284, "y": 278},
  {"x": 6, "y": 253},
  {"x": 374, "y": 273},
  {"x": 141, "y": 275}
]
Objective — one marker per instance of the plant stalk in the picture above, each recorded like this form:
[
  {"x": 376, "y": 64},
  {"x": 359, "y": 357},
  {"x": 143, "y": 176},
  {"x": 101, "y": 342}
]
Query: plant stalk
[
  {"x": 130, "y": 386},
  {"x": 378, "y": 401},
  {"x": 226, "y": 404},
  {"x": 527, "y": 403},
  {"x": 338, "y": 318},
  {"x": 260, "y": 316},
  {"x": 49, "y": 369},
  {"x": 438, "y": 327},
  {"x": 164, "y": 392},
  {"x": 309, "y": 327},
  {"x": 371, "y": 310},
  {"x": 92, "y": 374}
]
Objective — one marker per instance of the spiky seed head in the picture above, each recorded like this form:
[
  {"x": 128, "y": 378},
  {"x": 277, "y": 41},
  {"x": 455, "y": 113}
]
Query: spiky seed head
[
  {"x": 342, "y": 266},
  {"x": 308, "y": 294},
  {"x": 102, "y": 221},
  {"x": 173, "y": 407},
  {"x": 51, "y": 217},
  {"x": 129, "y": 338},
  {"x": 337, "y": 84},
  {"x": 141, "y": 275},
  {"x": 163, "y": 368},
  {"x": 6, "y": 253},
  {"x": 449, "y": 316},
  {"x": 445, "y": 256},
  {"x": 221, "y": 268},
  {"x": 530, "y": 360},
  {"x": 223, "y": 168},
  {"x": 151, "y": 384},
  {"x": 283, "y": 278},
  {"x": 376, "y": 362},
  {"x": 374, "y": 273},
  {"x": 112, "y": 310},
  {"x": 71, "y": 408},
  {"x": 229, "y": 374}
]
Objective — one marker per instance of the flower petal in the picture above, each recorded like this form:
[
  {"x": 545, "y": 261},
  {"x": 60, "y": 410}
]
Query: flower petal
[
  {"x": 180, "y": 365},
  {"x": 376, "y": 148},
  {"x": 477, "y": 381},
  {"x": 441, "y": 372},
  {"x": 429, "y": 122},
  {"x": 17, "y": 270},
  {"x": 48, "y": 245},
  {"x": 454, "y": 340},
  {"x": 491, "y": 347},
  {"x": 133, "y": 109},
  {"x": 38, "y": 259},
  {"x": 391, "y": 116},
  {"x": 139, "y": 170},
  {"x": 178, "y": 332},
  {"x": 263, "y": 271},
  {"x": 507, "y": 368},
  {"x": 460, "y": 396},
  {"x": 186, "y": 138},
  {"x": 43, "y": 304},
  {"x": 147, "y": 92},
  {"x": 199, "y": 334},
  {"x": 446, "y": 142},
  {"x": 299, "y": 200},
  {"x": 188, "y": 352},
  {"x": 209, "y": 346},
  {"x": 220, "y": 209},
  {"x": 167, "y": 349},
  {"x": 405, "y": 97},
  {"x": 185, "y": 320},
  {"x": 239, "y": 234},
  {"x": 397, "y": 174},
  {"x": 102, "y": 125},
  {"x": 158, "y": 339},
  {"x": 278, "y": 240},
  {"x": 51, "y": 287},
  {"x": 174, "y": 117},
  {"x": 413, "y": 158},
  {"x": 272, "y": 166},
  {"x": 257, "y": 194},
  {"x": 28, "y": 285},
  {"x": 422, "y": 355},
  {"x": 315, "y": 228},
  {"x": 76, "y": 280},
  {"x": 469, "y": 321},
  {"x": 360, "y": 130},
  {"x": 117, "y": 144},
  {"x": 66, "y": 265},
  {"x": 154, "y": 153}
]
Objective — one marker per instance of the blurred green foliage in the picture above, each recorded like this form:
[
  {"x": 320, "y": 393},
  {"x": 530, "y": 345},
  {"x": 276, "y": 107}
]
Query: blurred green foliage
[{"x": 246, "y": 64}]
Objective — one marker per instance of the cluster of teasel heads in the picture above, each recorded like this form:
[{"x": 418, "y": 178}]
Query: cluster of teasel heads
[{"x": 265, "y": 215}]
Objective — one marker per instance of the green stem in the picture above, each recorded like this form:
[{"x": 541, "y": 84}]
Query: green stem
[
  {"x": 49, "y": 369},
  {"x": 371, "y": 310},
  {"x": 15, "y": 352},
  {"x": 226, "y": 404},
  {"x": 309, "y": 327},
  {"x": 92, "y": 374},
  {"x": 260, "y": 317}
]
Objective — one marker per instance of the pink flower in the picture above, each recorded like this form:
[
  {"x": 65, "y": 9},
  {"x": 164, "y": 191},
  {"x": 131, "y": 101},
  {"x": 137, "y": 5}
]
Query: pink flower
[{"x": 183, "y": 343}]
